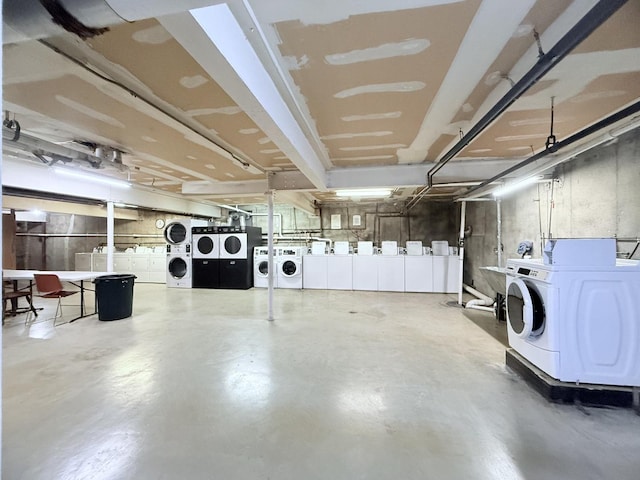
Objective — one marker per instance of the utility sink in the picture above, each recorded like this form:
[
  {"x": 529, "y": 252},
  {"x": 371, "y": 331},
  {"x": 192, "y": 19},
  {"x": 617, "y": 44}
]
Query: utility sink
[{"x": 497, "y": 278}]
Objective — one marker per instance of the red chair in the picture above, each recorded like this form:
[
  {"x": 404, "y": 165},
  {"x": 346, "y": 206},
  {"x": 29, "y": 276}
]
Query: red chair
[{"x": 49, "y": 286}]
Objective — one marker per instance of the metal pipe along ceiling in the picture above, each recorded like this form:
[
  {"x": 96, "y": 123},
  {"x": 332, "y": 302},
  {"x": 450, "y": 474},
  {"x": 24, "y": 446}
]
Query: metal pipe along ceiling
[
  {"x": 581, "y": 30},
  {"x": 36, "y": 19}
]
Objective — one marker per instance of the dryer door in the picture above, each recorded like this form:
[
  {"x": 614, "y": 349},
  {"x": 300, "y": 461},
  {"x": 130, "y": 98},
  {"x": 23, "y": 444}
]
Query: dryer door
[
  {"x": 178, "y": 267},
  {"x": 525, "y": 311},
  {"x": 175, "y": 233},
  {"x": 204, "y": 245}
]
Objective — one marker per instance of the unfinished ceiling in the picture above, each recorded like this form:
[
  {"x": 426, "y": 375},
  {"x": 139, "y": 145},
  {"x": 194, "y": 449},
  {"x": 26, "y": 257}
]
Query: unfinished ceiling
[{"x": 207, "y": 103}]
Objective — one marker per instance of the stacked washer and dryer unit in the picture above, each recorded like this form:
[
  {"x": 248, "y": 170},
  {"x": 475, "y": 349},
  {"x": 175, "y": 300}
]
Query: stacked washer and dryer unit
[
  {"x": 237, "y": 244},
  {"x": 574, "y": 313},
  {"x": 177, "y": 234}
]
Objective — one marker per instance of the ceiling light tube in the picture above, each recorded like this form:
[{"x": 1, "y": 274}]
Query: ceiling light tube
[
  {"x": 92, "y": 178},
  {"x": 372, "y": 192},
  {"x": 517, "y": 185}
]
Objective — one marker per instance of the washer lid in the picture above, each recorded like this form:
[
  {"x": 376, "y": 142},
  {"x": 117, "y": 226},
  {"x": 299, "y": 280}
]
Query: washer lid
[{"x": 525, "y": 311}]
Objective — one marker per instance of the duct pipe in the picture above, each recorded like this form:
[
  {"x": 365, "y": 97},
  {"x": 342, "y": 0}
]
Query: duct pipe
[
  {"x": 34, "y": 19},
  {"x": 581, "y": 30},
  {"x": 463, "y": 212},
  {"x": 612, "y": 134},
  {"x": 35, "y": 145}
]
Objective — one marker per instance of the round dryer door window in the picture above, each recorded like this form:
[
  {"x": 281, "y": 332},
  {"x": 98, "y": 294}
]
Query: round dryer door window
[
  {"x": 289, "y": 268},
  {"x": 263, "y": 268},
  {"x": 175, "y": 233},
  {"x": 525, "y": 311},
  {"x": 232, "y": 245},
  {"x": 177, "y": 267},
  {"x": 205, "y": 245}
]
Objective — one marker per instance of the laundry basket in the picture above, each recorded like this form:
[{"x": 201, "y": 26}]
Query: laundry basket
[{"x": 114, "y": 296}]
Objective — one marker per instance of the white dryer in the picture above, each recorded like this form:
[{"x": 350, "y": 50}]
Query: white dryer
[
  {"x": 290, "y": 267},
  {"x": 205, "y": 252},
  {"x": 261, "y": 267},
  {"x": 577, "y": 323},
  {"x": 178, "y": 231},
  {"x": 179, "y": 266}
]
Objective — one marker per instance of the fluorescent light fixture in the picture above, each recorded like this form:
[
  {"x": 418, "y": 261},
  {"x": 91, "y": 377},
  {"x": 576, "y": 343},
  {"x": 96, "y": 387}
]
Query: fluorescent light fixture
[
  {"x": 517, "y": 185},
  {"x": 92, "y": 178},
  {"x": 371, "y": 192}
]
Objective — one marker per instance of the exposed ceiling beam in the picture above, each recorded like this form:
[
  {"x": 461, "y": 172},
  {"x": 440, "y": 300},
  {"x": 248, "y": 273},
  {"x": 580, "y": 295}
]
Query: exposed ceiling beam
[
  {"x": 213, "y": 37},
  {"x": 476, "y": 52}
]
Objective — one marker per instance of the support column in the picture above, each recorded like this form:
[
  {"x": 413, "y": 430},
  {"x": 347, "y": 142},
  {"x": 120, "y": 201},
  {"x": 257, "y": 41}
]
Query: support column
[
  {"x": 463, "y": 212},
  {"x": 499, "y": 232},
  {"x": 271, "y": 264},
  {"x": 110, "y": 232}
]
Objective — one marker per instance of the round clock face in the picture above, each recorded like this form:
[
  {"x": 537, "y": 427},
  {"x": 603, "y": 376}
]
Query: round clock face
[{"x": 159, "y": 223}]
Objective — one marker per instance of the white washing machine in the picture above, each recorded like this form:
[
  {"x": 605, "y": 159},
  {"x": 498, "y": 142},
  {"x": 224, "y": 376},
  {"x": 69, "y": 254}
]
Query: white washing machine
[
  {"x": 179, "y": 266},
  {"x": 314, "y": 272},
  {"x": 391, "y": 270},
  {"x": 340, "y": 272},
  {"x": 261, "y": 267},
  {"x": 290, "y": 267},
  {"x": 576, "y": 322}
]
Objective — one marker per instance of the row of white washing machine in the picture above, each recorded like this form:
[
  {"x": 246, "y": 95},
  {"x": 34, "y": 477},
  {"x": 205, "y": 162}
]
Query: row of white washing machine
[
  {"x": 287, "y": 262},
  {"x": 574, "y": 313}
]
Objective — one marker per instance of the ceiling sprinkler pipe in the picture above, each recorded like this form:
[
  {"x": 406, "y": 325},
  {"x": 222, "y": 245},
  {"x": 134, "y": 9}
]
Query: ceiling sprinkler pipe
[{"x": 581, "y": 30}]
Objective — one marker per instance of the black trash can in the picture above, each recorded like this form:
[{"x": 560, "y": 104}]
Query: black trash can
[{"x": 114, "y": 296}]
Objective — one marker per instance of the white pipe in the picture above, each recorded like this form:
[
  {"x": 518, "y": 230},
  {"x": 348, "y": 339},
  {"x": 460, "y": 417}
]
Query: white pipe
[
  {"x": 463, "y": 212},
  {"x": 270, "y": 263},
  {"x": 482, "y": 302},
  {"x": 479, "y": 295},
  {"x": 479, "y": 307}
]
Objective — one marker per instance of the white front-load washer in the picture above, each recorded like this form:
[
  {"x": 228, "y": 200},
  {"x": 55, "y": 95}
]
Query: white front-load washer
[
  {"x": 261, "y": 267},
  {"x": 290, "y": 267},
  {"x": 179, "y": 266},
  {"x": 576, "y": 323}
]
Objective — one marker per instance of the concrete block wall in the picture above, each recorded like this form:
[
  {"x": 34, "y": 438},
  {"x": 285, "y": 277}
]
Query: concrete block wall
[{"x": 597, "y": 195}]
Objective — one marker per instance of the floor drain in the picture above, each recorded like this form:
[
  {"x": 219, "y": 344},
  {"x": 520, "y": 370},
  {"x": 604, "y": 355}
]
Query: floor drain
[{"x": 351, "y": 311}]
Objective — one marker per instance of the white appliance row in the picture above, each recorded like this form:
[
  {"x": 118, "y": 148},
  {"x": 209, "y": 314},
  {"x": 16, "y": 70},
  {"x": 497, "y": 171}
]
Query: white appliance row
[
  {"x": 288, "y": 267},
  {"x": 574, "y": 313},
  {"x": 147, "y": 267},
  {"x": 388, "y": 273}
]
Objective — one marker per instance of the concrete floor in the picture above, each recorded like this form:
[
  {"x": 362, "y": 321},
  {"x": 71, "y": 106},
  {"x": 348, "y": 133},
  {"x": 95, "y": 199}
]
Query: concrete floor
[{"x": 343, "y": 385}]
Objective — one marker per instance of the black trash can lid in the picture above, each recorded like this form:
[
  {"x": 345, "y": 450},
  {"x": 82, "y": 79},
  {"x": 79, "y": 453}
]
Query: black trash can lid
[{"x": 119, "y": 276}]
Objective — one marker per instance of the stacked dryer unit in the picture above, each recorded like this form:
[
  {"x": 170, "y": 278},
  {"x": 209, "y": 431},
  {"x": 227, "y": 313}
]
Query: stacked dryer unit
[
  {"x": 177, "y": 234},
  {"x": 206, "y": 257},
  {"x": 237, "y": 243}
]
